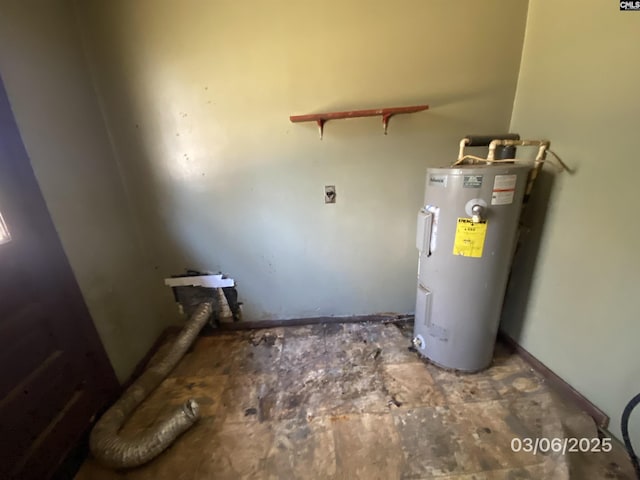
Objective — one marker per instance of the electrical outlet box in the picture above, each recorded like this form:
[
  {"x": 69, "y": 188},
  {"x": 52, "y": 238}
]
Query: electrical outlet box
[{"x": 329, "y": 194}]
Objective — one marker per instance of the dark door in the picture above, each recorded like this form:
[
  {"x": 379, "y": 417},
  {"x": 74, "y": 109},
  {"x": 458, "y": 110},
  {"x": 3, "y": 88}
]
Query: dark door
[{"x": 54, "y": 373}]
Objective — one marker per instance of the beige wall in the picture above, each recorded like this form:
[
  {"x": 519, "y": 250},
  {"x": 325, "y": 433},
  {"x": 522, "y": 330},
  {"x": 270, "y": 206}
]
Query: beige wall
[
  {"x": 578, "y": 86},
  {"x": 42, "y": 65},
  {"x": 198, "y": 98}
]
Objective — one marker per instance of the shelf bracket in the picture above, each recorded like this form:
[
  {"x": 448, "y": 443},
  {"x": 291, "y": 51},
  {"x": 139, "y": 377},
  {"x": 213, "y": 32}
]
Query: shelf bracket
[
  {"x": 385, "y": 121},
  {"x": 320, "y": 123}
]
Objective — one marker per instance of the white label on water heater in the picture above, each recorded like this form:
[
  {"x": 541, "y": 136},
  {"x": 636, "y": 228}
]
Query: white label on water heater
[{"x": 504, "y": 189}]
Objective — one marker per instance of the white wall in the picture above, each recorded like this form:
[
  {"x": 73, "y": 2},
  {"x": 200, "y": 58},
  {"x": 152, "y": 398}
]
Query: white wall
[
  {"x": 578, "y": 86},
  {"x": 198, "y": 99},
  {"x": 50, "y": 90}
]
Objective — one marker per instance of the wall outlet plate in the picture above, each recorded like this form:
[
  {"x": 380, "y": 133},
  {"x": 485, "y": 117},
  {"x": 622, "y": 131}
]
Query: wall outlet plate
[{"x": 329, "y": 194}]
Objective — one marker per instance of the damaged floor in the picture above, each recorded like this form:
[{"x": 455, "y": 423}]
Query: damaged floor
[{"x": 349, "y": 401}]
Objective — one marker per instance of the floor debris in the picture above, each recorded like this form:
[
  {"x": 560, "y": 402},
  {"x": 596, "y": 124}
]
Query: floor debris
[{"x": 353, "y": 401}]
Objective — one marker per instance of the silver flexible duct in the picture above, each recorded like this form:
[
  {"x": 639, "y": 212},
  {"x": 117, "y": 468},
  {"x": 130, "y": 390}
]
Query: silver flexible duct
[{"x": 116, "y": 451}]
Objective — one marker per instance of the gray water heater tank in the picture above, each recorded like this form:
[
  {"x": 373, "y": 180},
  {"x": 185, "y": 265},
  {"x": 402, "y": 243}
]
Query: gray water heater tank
[{"x": 466, "y": 237}]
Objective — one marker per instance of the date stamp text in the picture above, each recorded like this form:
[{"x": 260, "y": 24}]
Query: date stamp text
[{"x": 563, "y": 446}]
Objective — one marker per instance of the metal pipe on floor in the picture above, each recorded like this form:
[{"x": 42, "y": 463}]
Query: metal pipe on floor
[{"x": 113, "y": 449}]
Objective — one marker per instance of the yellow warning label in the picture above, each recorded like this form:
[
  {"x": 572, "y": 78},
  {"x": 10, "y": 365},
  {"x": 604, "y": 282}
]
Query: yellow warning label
[{"x": 469, "y": 240}]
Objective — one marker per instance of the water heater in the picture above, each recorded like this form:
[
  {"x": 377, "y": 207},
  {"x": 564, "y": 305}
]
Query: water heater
[{"x": 466, "y": 237}]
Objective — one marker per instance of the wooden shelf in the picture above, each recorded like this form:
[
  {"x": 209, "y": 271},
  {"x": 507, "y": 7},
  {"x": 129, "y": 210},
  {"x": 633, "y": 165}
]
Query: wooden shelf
[{"x": 385, "y": 113}]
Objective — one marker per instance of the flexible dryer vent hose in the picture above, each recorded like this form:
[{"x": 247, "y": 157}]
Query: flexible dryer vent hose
[{"x": 117, "y": 451}]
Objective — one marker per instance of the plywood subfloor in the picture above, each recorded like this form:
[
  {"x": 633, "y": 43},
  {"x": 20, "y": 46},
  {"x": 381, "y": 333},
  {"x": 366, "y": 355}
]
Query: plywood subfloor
[{"x": 350, "y": 401}]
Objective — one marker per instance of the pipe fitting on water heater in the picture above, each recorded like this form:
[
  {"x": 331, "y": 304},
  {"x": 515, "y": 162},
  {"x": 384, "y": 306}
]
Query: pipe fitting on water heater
[{"x": 477, "y": 213}]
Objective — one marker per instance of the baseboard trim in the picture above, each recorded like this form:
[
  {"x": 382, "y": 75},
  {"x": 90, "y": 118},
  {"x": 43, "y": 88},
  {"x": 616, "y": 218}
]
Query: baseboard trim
[
  {"x": 556, "y": 382},
  {"x": 295, "y": 322}
]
